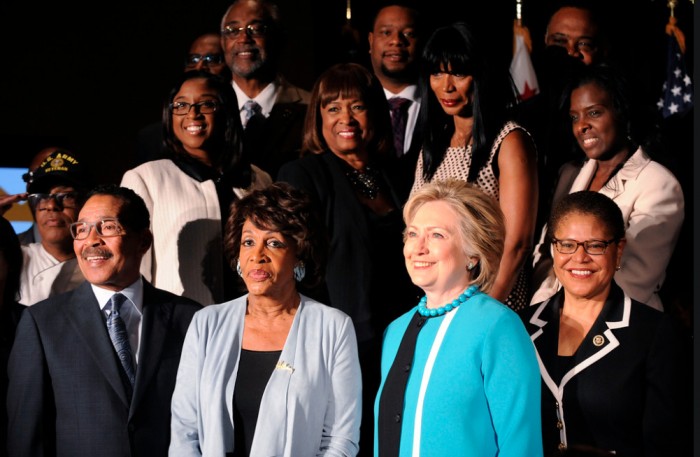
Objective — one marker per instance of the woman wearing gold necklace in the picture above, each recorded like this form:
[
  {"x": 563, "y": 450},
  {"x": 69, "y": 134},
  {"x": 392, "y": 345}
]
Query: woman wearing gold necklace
[{"x": 459, "y": 373}]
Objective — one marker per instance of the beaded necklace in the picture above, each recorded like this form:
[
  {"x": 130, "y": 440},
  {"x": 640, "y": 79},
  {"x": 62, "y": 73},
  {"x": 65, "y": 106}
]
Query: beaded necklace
[{"x": 424, "y": 311}]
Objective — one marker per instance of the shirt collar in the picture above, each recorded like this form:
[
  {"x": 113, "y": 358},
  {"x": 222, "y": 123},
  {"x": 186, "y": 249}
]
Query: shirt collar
[
  {"x": 266, "y": 98},
  {"x": 134, "y": 293},
  {"x": 409, "y": 92}
]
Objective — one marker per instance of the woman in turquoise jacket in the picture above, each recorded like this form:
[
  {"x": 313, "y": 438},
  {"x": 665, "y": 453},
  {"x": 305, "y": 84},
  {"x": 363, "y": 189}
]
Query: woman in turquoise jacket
[{"x": 459, "y": 372}]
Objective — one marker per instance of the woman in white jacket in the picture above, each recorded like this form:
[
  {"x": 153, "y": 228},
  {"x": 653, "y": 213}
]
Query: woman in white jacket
[
  {"x": 189, "y": 193},
  {"x": 605, "y": 125}
]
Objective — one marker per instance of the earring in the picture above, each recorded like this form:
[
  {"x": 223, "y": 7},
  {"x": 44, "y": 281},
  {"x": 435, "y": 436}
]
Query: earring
[
  {"x": 470, "y": 266},
  {"x": 238, "y": 268},
  {"x": 617, "y": 268},
  {"x": 299, "y": 271}
]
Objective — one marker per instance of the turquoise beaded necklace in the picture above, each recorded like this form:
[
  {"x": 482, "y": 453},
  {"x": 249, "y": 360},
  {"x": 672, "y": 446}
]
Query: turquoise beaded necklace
[{"x": 432, "y": 312}]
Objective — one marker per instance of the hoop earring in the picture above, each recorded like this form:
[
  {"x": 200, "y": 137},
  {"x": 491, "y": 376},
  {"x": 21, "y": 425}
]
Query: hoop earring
[
  {"x": 238, "y": 268},
  {"x": 299, "y": 271}
]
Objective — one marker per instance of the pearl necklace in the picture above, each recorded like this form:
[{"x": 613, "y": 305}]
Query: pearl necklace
[{"x": 424, "y": 311}]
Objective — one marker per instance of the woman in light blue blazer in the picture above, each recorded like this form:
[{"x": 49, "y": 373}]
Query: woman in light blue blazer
[{"x": 274, "y": 372}]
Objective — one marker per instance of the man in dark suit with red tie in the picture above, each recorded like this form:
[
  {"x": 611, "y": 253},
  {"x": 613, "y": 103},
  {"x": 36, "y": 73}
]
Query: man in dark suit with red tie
[{"x": 73, "y": 391}]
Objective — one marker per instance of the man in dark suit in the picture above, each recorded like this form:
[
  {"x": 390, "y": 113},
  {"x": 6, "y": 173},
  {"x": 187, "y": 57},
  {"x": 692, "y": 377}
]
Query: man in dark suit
[
  {"x": 272, "y": 109},
  {"x": 394, "y": 49},
  {"x": 72, "y": 391}
]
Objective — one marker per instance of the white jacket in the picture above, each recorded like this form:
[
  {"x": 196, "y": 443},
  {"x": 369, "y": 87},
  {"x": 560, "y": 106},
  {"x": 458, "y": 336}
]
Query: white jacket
[{"x": 187, "y": 253}]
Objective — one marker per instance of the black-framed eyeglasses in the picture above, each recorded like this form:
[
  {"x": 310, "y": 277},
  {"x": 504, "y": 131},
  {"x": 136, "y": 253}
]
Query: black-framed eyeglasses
[
  {"x": 105, "y": 228},
  {"x": 183, "y": 108},
  {"x": 592, "y": 247},
  {"x": 63, "y": 200},
  {"x": 206, "y": 59},
  {"x": 252, "y": 30}
]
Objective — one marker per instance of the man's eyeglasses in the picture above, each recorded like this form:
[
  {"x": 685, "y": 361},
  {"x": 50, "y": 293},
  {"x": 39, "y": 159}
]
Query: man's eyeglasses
[
  {"x": 252, "y": 30},
  {"x": 105, "y": 228},
  {"x": 63, "y": 200},
  {"x": 183, "y": 108},
  {"x": 592, "y": 247},
  {"x": 207, "y": 59}
]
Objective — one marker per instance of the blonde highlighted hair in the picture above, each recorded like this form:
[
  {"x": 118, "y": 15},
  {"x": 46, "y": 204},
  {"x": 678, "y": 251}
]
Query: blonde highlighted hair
[{"x": 479, "y": 220}]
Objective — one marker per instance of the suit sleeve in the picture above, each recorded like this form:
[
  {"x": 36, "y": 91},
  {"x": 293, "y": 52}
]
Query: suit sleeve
[
  {"x": 513, "y": 388},
  {"x": 666, "y": 423},
  {"x": 653, "y": 228},
  {"x": 341, "y": 425},
  {"x": 184, "y": 429},
  {"x": 30, "y": 405},
  {"x": 296, "y": 175}
]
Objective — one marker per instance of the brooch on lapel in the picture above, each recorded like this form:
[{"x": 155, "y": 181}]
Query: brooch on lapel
[{"x": 282, "y": 365}]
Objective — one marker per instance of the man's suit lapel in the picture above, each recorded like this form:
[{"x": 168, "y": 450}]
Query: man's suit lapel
[
  {"x": 156, "y": 316},
  {"x": 83, "y": 311}
]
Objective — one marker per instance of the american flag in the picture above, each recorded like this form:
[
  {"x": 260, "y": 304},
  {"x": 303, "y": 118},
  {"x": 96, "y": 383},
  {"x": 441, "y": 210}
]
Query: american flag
[{"x": 677, "y": 90}]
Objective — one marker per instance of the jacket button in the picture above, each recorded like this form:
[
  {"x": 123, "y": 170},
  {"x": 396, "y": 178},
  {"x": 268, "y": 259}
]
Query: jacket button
[
  {"x": 397, "y": 418},
  {"x": 561, "y": 447},
  {"x": 560, "y": 425}
]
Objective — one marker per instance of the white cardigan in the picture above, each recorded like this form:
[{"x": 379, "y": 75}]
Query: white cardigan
[
  {"x": 652, "y": 204},
  {"x": 187, "y": 253},
  {"x": 311, "y": 405}
]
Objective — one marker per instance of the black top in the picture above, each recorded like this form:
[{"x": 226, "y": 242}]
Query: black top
[
  {"x": 391, "y": 402},
  {"x": 254, "y": 370}
]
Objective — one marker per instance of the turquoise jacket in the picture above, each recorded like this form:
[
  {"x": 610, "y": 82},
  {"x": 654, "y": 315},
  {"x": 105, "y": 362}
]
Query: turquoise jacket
[{"x": 482, "y": 396}]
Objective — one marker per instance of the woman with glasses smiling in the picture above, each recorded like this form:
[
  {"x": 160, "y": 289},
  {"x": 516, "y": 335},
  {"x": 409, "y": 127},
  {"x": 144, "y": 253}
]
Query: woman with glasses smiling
[
  {"x": 610, "y": 365},
  {"x": 189, "y": 193}
]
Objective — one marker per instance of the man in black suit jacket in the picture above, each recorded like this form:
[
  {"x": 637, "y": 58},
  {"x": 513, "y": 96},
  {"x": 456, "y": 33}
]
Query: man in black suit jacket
[
  {"x": 395, "y": 42},
  {"x": 69, "y": 394},
  {"x": 253, "y": 38}
]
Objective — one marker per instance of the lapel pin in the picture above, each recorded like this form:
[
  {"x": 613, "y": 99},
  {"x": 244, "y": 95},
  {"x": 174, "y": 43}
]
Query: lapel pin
[{"x": 598, "y": 340}]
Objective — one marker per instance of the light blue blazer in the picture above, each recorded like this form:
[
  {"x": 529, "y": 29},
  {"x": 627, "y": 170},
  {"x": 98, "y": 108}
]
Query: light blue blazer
[{"x": 312, "y": 402}]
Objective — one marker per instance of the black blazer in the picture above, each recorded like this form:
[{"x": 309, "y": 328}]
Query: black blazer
[
  {"x": 66, "y": 396},
  {"x": 275, "y": 140},
  {"x": 624, "y": 388},
  {"x": 366, "y": 277}
]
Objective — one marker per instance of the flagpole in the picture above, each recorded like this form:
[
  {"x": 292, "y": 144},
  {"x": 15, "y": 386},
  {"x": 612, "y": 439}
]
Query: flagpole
[
  {"x": 672, "y": 28},
  {"x": 521, "y": 70},
  {"x": 518, "y": 28}
]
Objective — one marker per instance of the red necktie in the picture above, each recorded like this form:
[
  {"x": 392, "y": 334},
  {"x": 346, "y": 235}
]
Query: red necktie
[{"x": 399, "y": 117}]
